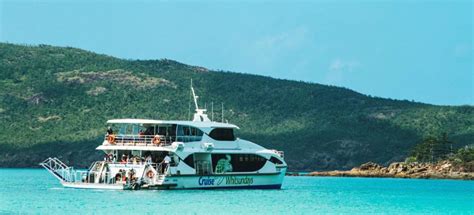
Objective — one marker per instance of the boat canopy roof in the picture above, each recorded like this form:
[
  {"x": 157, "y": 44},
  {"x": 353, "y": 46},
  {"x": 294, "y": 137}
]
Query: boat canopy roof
[{"x": 206, "y": 124}]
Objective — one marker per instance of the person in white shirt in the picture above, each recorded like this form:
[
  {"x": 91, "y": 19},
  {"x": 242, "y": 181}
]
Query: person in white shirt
[
  {"x": 166, "y": 162},
  {"x": 148, "y": 159}
]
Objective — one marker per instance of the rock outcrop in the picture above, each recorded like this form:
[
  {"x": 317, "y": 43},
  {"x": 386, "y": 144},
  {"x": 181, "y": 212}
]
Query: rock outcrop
[{"x": 442, "y": 169}]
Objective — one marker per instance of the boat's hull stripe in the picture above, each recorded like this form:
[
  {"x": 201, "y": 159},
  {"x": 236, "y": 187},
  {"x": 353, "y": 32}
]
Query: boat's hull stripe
[{"x": 268, "y": 186}]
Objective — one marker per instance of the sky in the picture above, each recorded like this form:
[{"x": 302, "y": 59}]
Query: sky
[{"x": 414, "y": 50}]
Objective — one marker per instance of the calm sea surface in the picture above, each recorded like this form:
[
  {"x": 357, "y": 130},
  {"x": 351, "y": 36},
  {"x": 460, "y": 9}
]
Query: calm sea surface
[{"x": 36, "y": 191}]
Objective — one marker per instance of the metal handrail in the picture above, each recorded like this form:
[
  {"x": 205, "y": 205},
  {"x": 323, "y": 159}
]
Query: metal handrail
[
  {"x": 84, "y": 176},
  {"x": 57, "y": 168},
  {"x": 93, "y": 174},
  {"x": 146, "y": 140},
  {"x": 280, "y": 153},
  {"x": 141, "y": 140}
]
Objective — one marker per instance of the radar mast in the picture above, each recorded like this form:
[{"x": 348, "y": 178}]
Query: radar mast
[{"x": 200, "y": 115}]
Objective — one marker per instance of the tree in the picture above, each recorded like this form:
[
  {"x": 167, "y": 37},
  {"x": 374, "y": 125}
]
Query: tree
[{"x": 433, "y": 149}]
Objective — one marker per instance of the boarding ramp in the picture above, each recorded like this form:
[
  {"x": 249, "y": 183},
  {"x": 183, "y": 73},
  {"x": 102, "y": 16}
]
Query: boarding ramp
[
  {"x": 97, "y": 176},
  {"x": 57, "y": 168}
]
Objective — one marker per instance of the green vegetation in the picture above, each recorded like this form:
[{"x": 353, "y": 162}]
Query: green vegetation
[
  {"x": 436, "y": 149},
  {"x": 464, "y": 154},
  {"x": 55, "y": 101},
  {"x": 464, "y": 158},
  {"x": 432, "y": 149}
]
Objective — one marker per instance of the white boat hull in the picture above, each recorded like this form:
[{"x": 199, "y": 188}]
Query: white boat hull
[
  {"x": 81, "y": 185},
  {"x": 240, "y": 181}
]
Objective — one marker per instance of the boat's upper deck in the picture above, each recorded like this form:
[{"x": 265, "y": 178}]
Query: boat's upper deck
[
  {"x": 147, "y": 132},
  {"x": 203, "y": 125}
]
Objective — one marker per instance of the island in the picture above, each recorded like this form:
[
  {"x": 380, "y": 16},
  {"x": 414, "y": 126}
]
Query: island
[
  {"x": 441, "y": 170},
  {"x": 432, "y": 158}
]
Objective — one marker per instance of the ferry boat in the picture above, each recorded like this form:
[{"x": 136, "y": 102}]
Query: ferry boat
[{"x": 163, "y": 154}]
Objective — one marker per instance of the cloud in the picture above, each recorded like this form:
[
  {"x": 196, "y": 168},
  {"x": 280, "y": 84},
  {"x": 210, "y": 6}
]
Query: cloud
[
  {"x": 338, "y": 69},
  {"x": 269, "y": 51},
  {"x": 290, "y": 39},
  {"x": 462, "y": 50}
]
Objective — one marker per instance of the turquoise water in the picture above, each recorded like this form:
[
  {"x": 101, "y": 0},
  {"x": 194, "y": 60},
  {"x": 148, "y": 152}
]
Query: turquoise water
[{"x": 35, "y": 191}]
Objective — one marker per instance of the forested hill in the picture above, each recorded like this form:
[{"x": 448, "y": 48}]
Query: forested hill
[{"x": 55, "y": 101}]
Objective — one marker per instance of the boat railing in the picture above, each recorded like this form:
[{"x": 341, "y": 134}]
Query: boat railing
[
  {"x": 94, "y": 166},
  {"x": 56, "y": 167},
  {"x": 84, "y": 176},
  {"x": 96, "y": 172},
  {"x": 96, "y": 177},
  {"x": 147, "y": 140},
  {"x": 140, "y": 140},
  {"x": 280, "y": 153}
]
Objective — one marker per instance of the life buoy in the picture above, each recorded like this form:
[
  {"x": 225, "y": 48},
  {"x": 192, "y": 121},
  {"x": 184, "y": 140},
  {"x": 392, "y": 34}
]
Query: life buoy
[
  {"x": 150, "y": 174},
  {"x": 156, "y": 140},
  {"x": 111, "y": 139}
]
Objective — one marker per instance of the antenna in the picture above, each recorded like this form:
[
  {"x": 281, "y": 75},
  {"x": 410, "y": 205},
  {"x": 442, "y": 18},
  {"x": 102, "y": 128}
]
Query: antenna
[
  {"x": 222, "y": 112},
  {"x": 189, "y": 103},
  {"x": 200, "y": 115},
  {"x": 194, "y": 95}
]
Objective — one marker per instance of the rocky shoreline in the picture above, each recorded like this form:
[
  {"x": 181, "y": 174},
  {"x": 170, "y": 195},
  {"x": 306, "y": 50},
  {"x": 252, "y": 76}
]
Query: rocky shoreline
[{"x": 440, "y": 170}]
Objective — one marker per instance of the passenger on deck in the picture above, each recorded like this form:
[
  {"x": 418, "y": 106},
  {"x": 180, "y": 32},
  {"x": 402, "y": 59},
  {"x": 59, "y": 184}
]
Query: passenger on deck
[
  {"x": 148, "y": 159},
  {"x": 124, "y": 159},
  {"x": 165, "y": 163},
  {"x": 141, "y": 133},
  {"x": 118, "y": 177},
  {"x": 135, "y": 160},
  {"x": 110, "y": 131},
  {"x": 123, "y": 173},
  {"x": 131, "y": 175},
  {"x": 108, "y": 157}
]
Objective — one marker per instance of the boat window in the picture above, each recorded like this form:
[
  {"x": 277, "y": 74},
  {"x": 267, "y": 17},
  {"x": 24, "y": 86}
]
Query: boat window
[
  {"x": 136, "y": 153},
  {"x": 186, "y": 131},
  {"x": 189, "y": 160},
  {"x": 172, "y": 130},
  {"x": 167, "y": 131},
  {"x": 189, "y": 133},
  {"x": 149, "y": 130},
  {"x": 162, "y": 130},
  {"x": 123, "y": 129},
  {"x": 225, "y": 134},
  {"x": 222, "y": 163},
  {"x": 275, "y": 160},
  {"x": 135, "y": 129},
  {"x": 128, "y": 129},
  {"x": 121, "y": 153}
]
